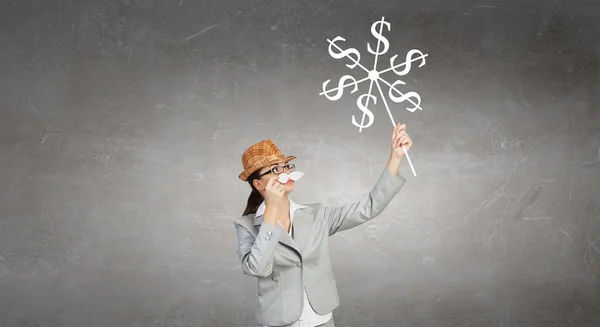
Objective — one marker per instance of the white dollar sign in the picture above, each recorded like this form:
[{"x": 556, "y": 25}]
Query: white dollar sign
[
  {"x": 365, "y": 110},
  {"x": 344, "y": 53},
  {"x": 404, "y": 96},
  {"x": 340, "y": 88},
  {"x": 379, "y": 37},
  {"x": 409, "y": 59}
]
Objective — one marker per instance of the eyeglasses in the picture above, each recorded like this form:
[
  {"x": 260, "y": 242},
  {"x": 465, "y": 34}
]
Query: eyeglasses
[{"x": 279, "y": 169}]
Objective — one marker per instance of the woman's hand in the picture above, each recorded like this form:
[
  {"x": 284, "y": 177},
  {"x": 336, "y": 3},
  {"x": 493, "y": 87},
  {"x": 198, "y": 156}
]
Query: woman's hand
[
  {"x": 277, "y": 204},
  {"x": 399, "y": 139},
  {"x": 274, "y": 193}
]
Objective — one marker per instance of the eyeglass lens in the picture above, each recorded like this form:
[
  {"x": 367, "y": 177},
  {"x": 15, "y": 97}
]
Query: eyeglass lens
[{"x": 280, "y": 169}]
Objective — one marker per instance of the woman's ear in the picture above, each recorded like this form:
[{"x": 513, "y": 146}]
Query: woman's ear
[{"x": 256, "y": 184}]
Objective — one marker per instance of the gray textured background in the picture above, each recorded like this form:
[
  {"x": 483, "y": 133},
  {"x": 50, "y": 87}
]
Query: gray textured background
[{"x": 123, "y": 123}]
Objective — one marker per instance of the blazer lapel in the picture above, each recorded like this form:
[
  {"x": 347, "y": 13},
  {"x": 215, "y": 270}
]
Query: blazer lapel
[
  {"x": 302, "y": 228},
  {"x": 303, "y": 224},
  {"x": 286, "y": 239}
]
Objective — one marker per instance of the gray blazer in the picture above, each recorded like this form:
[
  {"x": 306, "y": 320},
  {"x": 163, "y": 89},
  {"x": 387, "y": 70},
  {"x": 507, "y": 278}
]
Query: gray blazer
[{"x": 283, "y": 266}]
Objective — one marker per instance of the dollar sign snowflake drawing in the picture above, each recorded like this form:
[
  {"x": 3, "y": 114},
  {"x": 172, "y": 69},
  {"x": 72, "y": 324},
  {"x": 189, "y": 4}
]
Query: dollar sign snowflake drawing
[{"x": 374, "y": 76}]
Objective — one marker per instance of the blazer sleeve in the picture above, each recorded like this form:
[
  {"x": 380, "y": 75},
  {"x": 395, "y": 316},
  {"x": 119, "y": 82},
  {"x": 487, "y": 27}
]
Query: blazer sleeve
[
  {"x": 256, "y": 253},
  {"x": 356, "y": 213}
]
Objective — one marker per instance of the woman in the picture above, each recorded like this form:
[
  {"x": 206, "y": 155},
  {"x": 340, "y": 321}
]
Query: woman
[{"x": 285, "y": 245}]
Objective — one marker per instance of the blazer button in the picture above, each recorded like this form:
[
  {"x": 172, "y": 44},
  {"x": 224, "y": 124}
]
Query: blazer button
[
  {"x": 298, "y": 264},
  {"x": 267, "y": 238},
  {"x": 270, "y": 233}
]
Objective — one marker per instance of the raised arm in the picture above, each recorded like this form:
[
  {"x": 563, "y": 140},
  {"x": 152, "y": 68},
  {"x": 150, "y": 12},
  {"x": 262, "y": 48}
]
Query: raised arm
[
  {"x": 388, "y": 185},
  {"x": 357, "y": 213},
  {"x": 256, "y": 254}
]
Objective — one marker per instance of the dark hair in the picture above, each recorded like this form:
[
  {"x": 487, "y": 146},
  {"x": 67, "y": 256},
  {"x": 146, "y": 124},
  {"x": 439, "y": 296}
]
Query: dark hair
[{"x": 255, "y": 198}]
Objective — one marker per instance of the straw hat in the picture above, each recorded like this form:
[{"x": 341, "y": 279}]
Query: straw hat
[{"x": 259, "y": 155}]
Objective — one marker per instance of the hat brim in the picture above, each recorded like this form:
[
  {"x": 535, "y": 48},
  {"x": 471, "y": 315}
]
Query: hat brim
[{"x": 263, "y": 163}]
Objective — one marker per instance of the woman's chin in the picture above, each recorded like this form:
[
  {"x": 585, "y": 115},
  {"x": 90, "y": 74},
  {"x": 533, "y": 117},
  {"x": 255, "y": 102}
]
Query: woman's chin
[{"x": 289, "y": 186}]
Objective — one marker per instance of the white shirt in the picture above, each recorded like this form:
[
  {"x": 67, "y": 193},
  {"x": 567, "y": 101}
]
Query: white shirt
[{"x": 309, "y": 317}]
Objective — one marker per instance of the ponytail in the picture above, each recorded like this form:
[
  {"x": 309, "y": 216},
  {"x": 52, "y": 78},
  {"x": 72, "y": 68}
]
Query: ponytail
[{"x": 255, "y": 198}]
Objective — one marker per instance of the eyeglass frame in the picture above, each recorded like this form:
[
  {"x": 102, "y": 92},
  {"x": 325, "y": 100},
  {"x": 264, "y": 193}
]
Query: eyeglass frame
[{"x": 289, "y": 166}]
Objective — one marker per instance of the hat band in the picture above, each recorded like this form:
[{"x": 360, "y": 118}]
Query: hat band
[{"x": 265, "y": 161}]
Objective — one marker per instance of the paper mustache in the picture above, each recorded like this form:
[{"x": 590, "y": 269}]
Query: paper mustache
[{"x": 295, "y": 175}]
